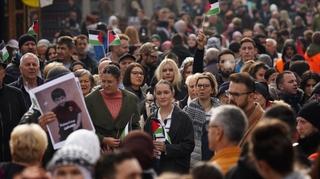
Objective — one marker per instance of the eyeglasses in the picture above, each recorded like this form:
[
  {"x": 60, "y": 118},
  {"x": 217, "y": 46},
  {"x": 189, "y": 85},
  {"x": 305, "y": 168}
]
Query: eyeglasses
[
  {"x": 235, "y": 94},
  {"x": 137, "y": 73},
  {"x": 203, "y": 85}
]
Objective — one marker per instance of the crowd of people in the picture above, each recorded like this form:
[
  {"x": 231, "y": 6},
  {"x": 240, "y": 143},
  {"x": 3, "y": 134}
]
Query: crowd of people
[{"x": 233, "y": 95}]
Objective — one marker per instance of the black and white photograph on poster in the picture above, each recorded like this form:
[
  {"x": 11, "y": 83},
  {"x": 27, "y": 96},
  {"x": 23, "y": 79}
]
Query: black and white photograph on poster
[{"x": 63, "y": 97}]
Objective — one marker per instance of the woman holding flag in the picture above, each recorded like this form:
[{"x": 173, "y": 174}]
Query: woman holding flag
[
  {"x": 172, "y": 132},
  {"x": 113, "y": 111}
]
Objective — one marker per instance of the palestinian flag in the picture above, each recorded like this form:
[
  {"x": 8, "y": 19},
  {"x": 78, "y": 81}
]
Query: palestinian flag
[
  {"x": 214, "y": 7},
  {"x": 95, "y": 37},
  {"x": 34, "y": 29},
  {"x": 126, "y": 130},
  {"x": 159, "y": 131},
  {"x": 113, "y": 38},
  {"x": 4, "y": 52}
]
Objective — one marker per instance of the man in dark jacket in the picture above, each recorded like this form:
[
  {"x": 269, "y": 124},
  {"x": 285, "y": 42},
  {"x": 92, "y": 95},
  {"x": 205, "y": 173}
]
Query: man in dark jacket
[
  {"x": 12, "y": 107},
  {"x": 30, "y": 69},
  {"x": 27, "y": 43}
]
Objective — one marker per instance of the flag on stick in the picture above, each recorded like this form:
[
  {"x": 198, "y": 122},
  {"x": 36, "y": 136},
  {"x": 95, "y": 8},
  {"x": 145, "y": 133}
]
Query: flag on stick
[
  {"x": 34, "y": 29},
  {"x": 113, "y": 38},
  {"x": 4, "y": 52},
  {"x": 214, "y": 7},
  {"x": 95, "y": 37}
]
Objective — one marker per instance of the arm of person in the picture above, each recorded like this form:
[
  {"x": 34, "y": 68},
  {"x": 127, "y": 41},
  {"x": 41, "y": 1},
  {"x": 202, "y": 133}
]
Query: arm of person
[{"x": 199, "y": 54}]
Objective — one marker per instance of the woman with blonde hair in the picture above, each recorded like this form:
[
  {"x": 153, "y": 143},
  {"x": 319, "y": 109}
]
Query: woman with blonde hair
[
  {"x": 168, "y": 70},
  {"x": 28, "y": 143}
]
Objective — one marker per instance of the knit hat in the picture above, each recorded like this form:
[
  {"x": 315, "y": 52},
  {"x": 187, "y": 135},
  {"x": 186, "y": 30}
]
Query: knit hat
[
  {"x": 87, "y": 140},
  {"x": 262, "y": 88},
  {"x": 72, "y": 155},
  {"x": 310, "y": 112},
  {"x": 156, "y": 36},
  {"x": 26, "y": 38}
]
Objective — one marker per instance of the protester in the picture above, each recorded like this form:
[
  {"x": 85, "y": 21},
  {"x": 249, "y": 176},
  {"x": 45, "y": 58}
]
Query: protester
[
  {"x": 111, "y": 109},
  {"x": 174, "y": 144},
  {"x": 141, "y": 146},
  {"x": 81, "y": 45},
  {"x": 86, "y": 80},
  {"x": 118, "y": 164},
  {"x": 27, "y": 43},
  {"x": 199, "y": 111},
  {"x": 226, "y": 128},
  {"x": 28, "y": 143},
  {"x": 30, "y": 69},
  {"x": 12, "y": 108}
]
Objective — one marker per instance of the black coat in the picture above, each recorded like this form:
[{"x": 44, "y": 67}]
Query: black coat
[
  {"x": 177, "y": 157},
  {"x": 19, "y": 84},
  {"x": 12, "y": 108}
]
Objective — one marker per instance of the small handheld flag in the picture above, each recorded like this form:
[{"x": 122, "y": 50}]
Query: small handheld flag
[
  {"x": 214, "y": 7},
  {"x": 127, "y": 129},
  {"x": 95, "y": 37},
  {"x": 159, "y": 131},
  {"x": 113, "y": 38},
  {"x": 34, "y": 29},
  {"x": 4, "y": 52}
]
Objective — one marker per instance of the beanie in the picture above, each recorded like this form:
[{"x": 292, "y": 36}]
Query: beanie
[
  {"x": 87, "y": 140},
  {"x": 25, "y": 38},
  {"x": 310, "y": 112},
  {"x": 262, "y": 88}
]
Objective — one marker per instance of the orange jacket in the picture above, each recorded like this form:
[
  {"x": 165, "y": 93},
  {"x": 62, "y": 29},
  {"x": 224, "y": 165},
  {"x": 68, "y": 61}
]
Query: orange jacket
[
  {"x": 279, "y": 66},
  {"x": 314, "y": 62}
]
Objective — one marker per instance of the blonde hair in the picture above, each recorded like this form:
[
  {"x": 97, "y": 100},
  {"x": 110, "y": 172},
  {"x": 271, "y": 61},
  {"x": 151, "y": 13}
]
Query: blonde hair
[
  {"x": 28, "y": 143},
  {"x": 49, "y": 66},
  {"x": 177, "y": 75}
]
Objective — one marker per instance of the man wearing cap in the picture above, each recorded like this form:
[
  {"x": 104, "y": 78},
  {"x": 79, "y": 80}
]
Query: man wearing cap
[
  {"x": 13, "y": 48},
  {"x": 12, "y": 108},
  {"x": 148, "y": 58},
  {"x": 27, "y": 43},
  {"x": 124, "y": 61},
  {"x": 116, "y": 51},
  {"x": 29, "y": 69},
  {"x": 308, "y": 126}
]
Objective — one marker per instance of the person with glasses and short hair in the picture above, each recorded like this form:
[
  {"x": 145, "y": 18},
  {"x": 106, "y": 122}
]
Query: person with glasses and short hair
[
  {"x": 241, "y": 93},
  {"x": 199, "y": 112}
]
